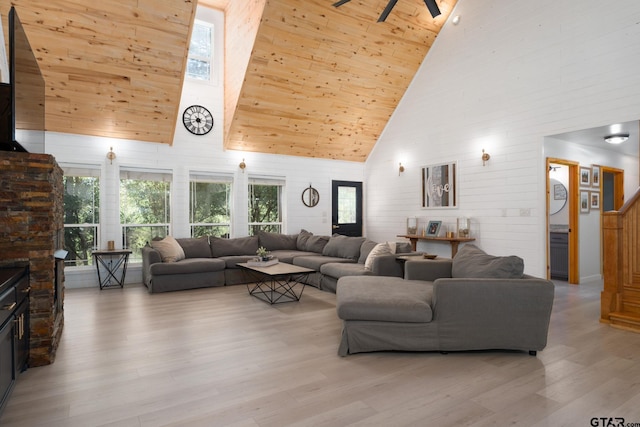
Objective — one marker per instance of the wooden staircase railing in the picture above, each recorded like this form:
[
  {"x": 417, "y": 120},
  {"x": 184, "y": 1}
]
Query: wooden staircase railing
[{"x": 620, "y": 299}]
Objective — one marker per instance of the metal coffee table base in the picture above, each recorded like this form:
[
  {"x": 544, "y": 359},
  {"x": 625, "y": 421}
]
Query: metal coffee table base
[{"x": 276, "y": 289}]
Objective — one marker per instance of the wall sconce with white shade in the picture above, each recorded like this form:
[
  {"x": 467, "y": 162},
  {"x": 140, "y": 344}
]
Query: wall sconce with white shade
[
  {"x": 111, "y": 155},
  {"x": 485, "y": 157},
  {"x": 618, "y": 138},
  {"x": 400, "y": 168},
  {"x": 242, "y": 165}
]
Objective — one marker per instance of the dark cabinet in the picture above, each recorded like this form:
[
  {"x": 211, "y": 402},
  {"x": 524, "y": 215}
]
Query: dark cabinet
[
  {"x": 559, "y": 256},
  {"x": 14, "y": 328}
]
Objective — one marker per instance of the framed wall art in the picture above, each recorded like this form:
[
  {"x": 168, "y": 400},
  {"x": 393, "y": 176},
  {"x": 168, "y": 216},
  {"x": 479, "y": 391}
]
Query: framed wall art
[
  {"x": 439, "y": 186},
  {"x": 584, "y": 201},
  {"x": 595, "y": 176},
  {"x": 595, "y": 200},
  {"x": 585, "y": 176}
]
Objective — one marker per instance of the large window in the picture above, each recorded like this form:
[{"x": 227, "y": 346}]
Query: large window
[
  {"x": 200, "y": 51},
  {"x": 210, "y": 205},
  {"x": 265, "y": 205},
  {"x": 81, "y": 214},
  {"x": 144, "y": 208}
]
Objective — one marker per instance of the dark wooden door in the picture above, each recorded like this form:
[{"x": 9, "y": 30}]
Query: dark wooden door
[{"x": 346, "y": 208}]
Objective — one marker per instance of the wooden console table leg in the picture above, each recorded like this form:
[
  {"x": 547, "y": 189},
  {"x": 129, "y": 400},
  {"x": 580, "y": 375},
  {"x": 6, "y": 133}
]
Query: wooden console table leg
[{"x": 454, "y": 248}]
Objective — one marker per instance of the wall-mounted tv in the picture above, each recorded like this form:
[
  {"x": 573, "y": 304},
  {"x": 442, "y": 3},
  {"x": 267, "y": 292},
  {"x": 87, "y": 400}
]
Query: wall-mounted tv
[{"x": 22, "y": 101}]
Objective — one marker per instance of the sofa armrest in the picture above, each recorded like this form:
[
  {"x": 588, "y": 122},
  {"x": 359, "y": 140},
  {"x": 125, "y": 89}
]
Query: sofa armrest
[
  {"x": 386, "y": 265},
  {"x": 501, "y": 313},
  {"x": 427, "y": 269},
  {"x": 149, "y": 256}
]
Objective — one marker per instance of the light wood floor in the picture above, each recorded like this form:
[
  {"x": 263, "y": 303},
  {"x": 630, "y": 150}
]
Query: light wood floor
[{"x": 218, "y": 357}]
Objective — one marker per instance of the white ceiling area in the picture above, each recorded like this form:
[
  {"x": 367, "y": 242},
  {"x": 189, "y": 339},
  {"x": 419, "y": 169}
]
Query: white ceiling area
[{"x": 595, "y": 137}]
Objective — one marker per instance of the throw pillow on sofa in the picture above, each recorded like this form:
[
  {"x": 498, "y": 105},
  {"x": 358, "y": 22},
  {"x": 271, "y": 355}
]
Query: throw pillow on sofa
[
  {"x": 473, "y": 262},
  {"x": 379, "y": 250},
  {"x": 308, "y": 242},
  {"x": 233, "y": 247},
  {"x": 195, "y": 247},
  {"x": 170, "y": 250},
  {"x": 277, "y": 241},
  {"x": 340, "y": 246}
]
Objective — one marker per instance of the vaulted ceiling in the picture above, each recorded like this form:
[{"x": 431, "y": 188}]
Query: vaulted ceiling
[{"x": 301, "y": 76}]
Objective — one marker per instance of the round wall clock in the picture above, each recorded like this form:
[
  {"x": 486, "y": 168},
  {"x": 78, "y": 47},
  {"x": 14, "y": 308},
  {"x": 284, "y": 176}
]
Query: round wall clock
[
  {"x": 310, "y": 197},
  {"x": 197, "y": 119}
]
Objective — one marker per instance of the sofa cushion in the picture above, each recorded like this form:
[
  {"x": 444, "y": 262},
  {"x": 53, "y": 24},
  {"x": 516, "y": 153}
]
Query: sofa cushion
[
  {"x": 342, "y": 269},
  {"x": 343, "y": 247},
  {"x": 473, "y": 262},
  {"x": 302, "y": 239},
  {"x": 188, "y": 266},
  {"x": 384, "y": 299},
  {"x": 238, "y": 246},
  {"x": 366, "y": 247},
  {"x": 288, "y": 256},
  {"x": 196, "y": 248},
  {"x": 379, "y": 250},
  {"x": 316, "y": 261},
  {"x": 316, "y": 244},
  {"x": 232, "y": 260},
  {"x": 170, "y": 250},
  {"x": 277, "y": 241}
]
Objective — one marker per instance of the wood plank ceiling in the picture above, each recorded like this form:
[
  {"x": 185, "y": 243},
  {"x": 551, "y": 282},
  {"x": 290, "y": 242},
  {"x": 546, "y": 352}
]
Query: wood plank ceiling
[{"x": 301, "y": 77}]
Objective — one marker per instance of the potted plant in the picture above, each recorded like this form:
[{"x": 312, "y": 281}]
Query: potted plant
[{"x": 263, "y": 254}]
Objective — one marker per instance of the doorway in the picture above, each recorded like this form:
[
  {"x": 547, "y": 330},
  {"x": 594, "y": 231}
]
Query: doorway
[
  {"x": 612, "y": 188},
  {"x": 346, "y": 208},
  {"x": 562, "y": 234}
]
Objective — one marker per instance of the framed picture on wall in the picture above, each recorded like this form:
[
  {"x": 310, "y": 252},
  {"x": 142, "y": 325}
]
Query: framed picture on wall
[
  {"x": 584, "y": 201},
  {"x": 585, "y": 176},
  {"x": 439, "y": 186},
  {"x": 595, "y": 200},
  {"x": 595, "y": 176}
]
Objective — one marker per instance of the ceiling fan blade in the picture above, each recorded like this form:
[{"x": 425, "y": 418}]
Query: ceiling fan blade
[
  {"x": 433, "y": 7},
  {"x": 387, "y": 10},
  {"x": 340, "y": 2}
]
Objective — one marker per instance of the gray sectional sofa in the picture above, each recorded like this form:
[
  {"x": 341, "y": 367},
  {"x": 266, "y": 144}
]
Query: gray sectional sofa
[
  {"x": 474, "y": 302},
  {"x": 212, "y": 261}
]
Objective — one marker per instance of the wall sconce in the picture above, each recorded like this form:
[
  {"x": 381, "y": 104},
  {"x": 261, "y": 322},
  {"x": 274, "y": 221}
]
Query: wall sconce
[
  {"x": 618, "y": 138},
  {"x": 111, "y": 155},
  {"x": 242, "y": 165},
  {"x": 485, "y": 157},
  {"x": 400, "y": 168}
]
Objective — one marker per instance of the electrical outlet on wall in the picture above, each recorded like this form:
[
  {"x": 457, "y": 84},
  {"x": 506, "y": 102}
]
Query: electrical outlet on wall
[{"x": 525, "y": 212}]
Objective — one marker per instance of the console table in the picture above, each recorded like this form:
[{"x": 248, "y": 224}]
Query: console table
[
  {"x": 111, "y": 261},
  {"x": 453, "y": 241}
]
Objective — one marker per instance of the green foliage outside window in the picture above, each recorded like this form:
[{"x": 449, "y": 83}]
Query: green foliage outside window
[
  {"x": 265, "y": 212},
  {"x": 81, "y": 218},
  {"x": 144, "y": 212},
  {"x": 209, "y": 208}
]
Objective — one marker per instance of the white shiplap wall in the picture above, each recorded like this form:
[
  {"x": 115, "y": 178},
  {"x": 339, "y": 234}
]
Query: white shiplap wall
[
  {"x": 511, "y": 73},
  {"x": 200, "y": 154}
]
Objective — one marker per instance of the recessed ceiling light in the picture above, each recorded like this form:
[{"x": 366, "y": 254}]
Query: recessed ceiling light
[
  {"x": 618, "y": 138},
  {"x": 456, "y": 20}
]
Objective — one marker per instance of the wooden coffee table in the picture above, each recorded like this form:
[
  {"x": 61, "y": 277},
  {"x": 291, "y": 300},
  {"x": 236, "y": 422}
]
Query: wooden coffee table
[{"x": 276, "y": 283}]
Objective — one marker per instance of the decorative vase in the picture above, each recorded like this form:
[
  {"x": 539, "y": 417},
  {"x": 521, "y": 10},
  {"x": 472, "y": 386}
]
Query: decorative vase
[
  {"x": 463, "y": 225},
  {"x": 412, "y": 225}
]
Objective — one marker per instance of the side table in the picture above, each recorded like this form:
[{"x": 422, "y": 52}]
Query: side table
[{"x": 111, "y": 262}]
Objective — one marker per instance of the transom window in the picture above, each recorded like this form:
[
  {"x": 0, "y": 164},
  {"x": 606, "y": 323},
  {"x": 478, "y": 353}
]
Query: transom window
[{"x": 200, "y": 51}]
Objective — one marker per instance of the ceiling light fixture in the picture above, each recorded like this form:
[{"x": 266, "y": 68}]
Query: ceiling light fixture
[
  {"x": 111, "y": 155},
  {"x": 431, "y": 5},
  {"x": 618, "y": 138}
]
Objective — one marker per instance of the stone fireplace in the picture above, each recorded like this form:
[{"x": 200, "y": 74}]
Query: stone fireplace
[{"x": 31, "y": 230}]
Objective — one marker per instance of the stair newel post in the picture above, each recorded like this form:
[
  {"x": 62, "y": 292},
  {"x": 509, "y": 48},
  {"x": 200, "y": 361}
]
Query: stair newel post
[{"x": 611, "y": 296}]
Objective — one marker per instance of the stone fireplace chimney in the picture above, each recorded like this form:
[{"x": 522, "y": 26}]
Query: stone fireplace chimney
[{"x": 31, "y": 230}]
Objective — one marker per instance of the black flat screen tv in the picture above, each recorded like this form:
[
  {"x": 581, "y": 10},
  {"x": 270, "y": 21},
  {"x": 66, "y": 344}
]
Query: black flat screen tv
[{"x": 22, "y": 101}]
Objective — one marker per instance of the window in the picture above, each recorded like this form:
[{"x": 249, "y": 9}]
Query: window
[
  {"x": 200, "y": 51},
  {"x": 144, "y": 208},
  {"x": 210, "y": 205},
  {"x": 265, "y": 205},
  {"x": 81, "y": 214}
]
